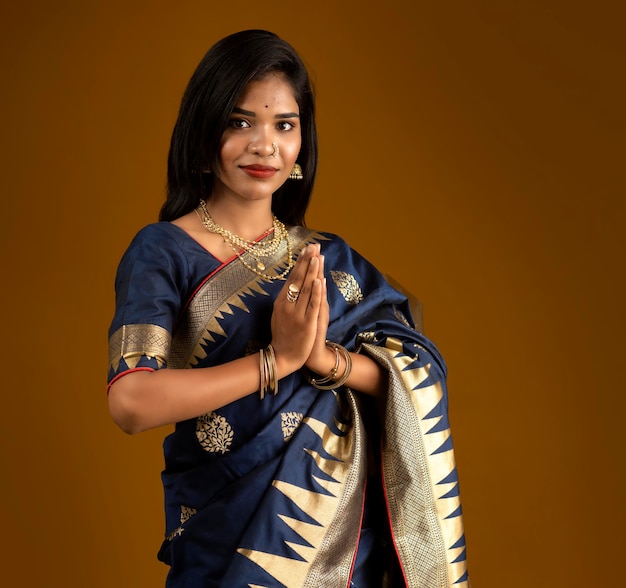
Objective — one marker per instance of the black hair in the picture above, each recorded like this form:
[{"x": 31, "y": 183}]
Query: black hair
[{"x": 207, "y": 104}]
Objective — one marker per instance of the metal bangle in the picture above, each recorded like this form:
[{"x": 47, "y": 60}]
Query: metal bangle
[
  {"x": 268, "y": 372},
  {"x": 333, "y": 372},
  {"x": 334, "y": 384}
]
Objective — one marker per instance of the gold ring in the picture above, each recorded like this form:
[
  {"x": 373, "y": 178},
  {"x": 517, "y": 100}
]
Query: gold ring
[{"x": 292, "y": 293}]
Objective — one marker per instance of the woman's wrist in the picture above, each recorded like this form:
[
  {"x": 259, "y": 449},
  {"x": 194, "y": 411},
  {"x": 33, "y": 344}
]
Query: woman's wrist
[
  {"x": 339, "y": 373},
  {"x": 285, "y": 365},
  {"x": 323, "y": 363}
]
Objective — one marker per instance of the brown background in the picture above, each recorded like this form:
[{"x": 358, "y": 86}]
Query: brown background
[{"x": 473, "y": 150}]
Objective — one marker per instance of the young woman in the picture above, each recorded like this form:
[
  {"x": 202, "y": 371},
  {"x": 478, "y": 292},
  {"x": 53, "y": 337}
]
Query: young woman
[{"x": 312, "y": 446}]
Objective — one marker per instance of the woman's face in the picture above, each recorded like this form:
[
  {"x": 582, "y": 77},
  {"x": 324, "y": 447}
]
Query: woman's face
[{"x": 261, "y": 143}]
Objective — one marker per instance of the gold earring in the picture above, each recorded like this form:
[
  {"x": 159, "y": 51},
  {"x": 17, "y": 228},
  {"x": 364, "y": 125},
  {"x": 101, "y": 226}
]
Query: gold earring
[{"x": 296, "y": 172}]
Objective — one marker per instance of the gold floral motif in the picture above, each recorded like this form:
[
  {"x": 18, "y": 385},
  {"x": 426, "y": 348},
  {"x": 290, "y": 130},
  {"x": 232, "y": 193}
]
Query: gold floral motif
[
  {"x": 177, "y": 532},
  {"x": 214, "y": 433},
  {"x": 186, "y": 512},
  {"x": 367, "y": 337},
  {"x": 348, "y": 286},
  {"x": 290, "y": 421},
  {"x": 400, "y": 316}
]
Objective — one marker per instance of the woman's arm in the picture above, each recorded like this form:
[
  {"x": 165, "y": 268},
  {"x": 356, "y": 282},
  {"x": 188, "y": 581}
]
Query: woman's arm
[
  {"x": 366, "y": 375},
  {"x": 143, "y": 400}
]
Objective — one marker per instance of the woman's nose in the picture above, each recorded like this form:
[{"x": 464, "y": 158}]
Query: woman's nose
[{"x": 263, "y": 144}]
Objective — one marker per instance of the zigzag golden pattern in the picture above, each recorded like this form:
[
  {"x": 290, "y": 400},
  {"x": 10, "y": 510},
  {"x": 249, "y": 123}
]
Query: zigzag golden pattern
[
  {"x": 218, "y": 298},
  {"x": 132, "y": 342},
  {"x": 320, "y": 507},
  {"x": 432, "y": 450},
  {"x": 236, "y": 300}
]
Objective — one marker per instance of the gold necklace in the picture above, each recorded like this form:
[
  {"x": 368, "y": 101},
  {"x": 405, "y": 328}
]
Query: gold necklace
[{"x": 255, "y": 249}]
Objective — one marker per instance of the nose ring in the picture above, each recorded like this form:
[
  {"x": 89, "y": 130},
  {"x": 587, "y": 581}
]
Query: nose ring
[{"x": 276, "y": 150}]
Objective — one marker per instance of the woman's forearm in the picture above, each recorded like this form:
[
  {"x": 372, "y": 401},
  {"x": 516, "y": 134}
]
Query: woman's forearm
[
  {"x": 143, "y": 400},
  {"x": 366, "y": 375}
]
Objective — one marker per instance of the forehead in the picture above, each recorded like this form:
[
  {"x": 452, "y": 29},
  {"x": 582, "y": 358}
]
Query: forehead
[{"x": 271, "y": 91}]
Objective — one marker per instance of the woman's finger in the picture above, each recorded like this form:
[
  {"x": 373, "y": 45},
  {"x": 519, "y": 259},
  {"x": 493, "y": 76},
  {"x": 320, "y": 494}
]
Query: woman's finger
[
  {"x": 296, "y": 277},
  {"x": 297, "y": 289},
  {"x": 312, "y": 307}
]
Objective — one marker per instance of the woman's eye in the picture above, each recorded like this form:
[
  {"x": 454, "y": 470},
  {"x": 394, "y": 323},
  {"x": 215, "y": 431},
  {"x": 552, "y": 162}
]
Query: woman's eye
[
  {"x": 239, "y": 123},
  {"x": 285, "y": 125}
]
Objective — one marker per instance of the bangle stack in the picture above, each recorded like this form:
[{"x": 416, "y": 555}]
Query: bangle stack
[
  {"x": 329, "y": 382},
  {"x": 269, "y": 381}
]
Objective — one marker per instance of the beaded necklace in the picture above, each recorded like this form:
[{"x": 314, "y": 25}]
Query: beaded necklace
[{"x": 255, "y": 249}]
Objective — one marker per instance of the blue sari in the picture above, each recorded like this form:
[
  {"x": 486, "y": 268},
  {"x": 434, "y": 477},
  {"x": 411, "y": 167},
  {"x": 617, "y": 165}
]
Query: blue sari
[{"x": 306, "y": 488}]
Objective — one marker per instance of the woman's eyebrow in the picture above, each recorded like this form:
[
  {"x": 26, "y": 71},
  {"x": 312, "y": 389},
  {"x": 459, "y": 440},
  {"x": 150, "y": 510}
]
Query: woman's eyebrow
[
  {"x": 244, "y": 112},
  {"x": 237, "y": 110}
]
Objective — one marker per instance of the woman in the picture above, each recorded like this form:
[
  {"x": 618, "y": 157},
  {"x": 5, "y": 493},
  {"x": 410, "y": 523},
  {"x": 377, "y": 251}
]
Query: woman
[{"x": 311, "y": 445}]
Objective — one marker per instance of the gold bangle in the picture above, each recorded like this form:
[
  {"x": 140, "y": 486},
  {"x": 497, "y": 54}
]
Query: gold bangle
[
  {"x": 334, "y": 384},
  {"x": 262, "y": 372},
  {"x": 268, "y": 372},
  {"x": 348, "y": 359},
  {"x": 270, "y": 355},
  {"x": 333, "y": 372}
]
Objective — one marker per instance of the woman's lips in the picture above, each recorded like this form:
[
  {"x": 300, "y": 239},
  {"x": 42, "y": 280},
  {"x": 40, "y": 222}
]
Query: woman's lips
[{"x": 259, "y": 171}]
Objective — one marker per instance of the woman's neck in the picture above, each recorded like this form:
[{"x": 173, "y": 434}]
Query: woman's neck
[{"x": 247, "y": 220}]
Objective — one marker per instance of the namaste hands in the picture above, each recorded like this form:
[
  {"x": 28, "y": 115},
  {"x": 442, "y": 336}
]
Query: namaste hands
[{"x": 300, "y": 317}]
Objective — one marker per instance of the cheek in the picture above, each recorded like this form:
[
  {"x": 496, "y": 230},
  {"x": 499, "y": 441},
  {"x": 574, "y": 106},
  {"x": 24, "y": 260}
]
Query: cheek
[
  {"x": 232, "y": 148},
  {"x": 227, "y": 152},
  {"x": 292, "y": 150}
]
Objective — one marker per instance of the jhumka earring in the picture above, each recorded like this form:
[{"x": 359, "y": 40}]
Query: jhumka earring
[{"x": 296, "y": 172}]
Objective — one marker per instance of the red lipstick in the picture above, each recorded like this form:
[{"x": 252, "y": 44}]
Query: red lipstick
[{"x": 259, "y": 171}]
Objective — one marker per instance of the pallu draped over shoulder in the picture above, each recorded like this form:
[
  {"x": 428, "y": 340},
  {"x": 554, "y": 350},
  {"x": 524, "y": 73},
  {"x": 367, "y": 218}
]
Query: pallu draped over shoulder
[{"x": 306, "y": 488}]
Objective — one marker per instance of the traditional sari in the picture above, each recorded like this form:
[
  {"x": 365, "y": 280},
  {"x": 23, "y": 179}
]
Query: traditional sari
[{"x": 306, "y": 488}]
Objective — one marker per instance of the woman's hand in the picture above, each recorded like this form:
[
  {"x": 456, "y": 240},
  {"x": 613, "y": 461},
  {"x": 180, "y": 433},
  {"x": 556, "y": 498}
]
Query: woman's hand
[
  {"x": 295, "y": 318},
  {"x": 321, "y": 359}
]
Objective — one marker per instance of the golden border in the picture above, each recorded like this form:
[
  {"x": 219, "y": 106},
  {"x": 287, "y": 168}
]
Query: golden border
[{"x": 132, "y": 342}]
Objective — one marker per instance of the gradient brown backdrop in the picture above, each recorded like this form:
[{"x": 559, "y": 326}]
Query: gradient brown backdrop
[{"x": 473, "y": 150}]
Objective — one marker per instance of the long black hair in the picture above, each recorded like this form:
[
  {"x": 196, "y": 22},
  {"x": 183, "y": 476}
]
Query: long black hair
[{"x": 207, "y": 104}]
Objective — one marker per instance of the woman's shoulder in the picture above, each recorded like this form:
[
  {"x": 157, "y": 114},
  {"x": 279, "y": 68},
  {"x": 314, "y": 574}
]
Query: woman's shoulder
[
  {"x": 157, "y": 232},
  {"x": 333, "y": 243},
  {"x": 164, "y": 246},
  {"x": 338, "y": 251},
  {"x": 165, "y": 237},
  {"x": 329, "y": 239},
  {"x": 157, "y": 245}
]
